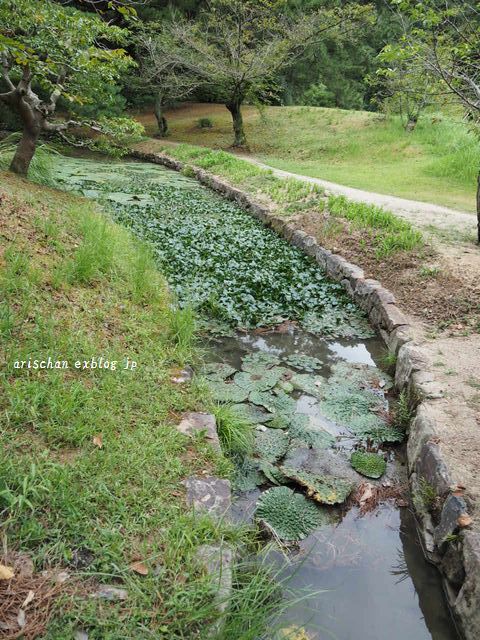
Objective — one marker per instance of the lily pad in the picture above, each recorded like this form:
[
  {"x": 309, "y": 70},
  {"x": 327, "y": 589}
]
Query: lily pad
[
  {"x": 302, "y": 432},
  {"x": 309, "y": 384},
  {"x": 226, "y": 392},
  {"x": 259, "y": 360},
  {"x": 304, "y": 362},
  {"x": 256, "y": 380},
  {"x": 272, "y": 472},
  {"x": 288, "y": 514},
  {"x": 219, "y": 370},
  {"x": 248, "y": 475},
  {"x": 323, "y": 489},
  {"x": 280, "y": 403},
  {"x": 251, "y": 413},
  {"x": 271, "y": 445},
  {"x": 370, "y": 465}
]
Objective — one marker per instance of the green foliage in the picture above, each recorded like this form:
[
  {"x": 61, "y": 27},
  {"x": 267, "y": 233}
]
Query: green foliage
[
  {"x": 205, "y": 123},
  {"x": 391, "y": 234},
  {"x": 304, "y": 362},
  {"x": 205, "y": 246},
  {"x": 234, "y": 431},
  {"x": 57, "y": 41},
  {"x": 289, "y": 515},
  {"x": 271, "y": 445},
  {"x": 321, "y": 488},
  {"x": 402, "y": 414},
  {"x": 370, "y": 465},
  {"x": 42, "y": 167}
]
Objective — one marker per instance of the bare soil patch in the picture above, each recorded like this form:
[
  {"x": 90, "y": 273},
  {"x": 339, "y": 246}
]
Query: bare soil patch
[{"x": 425, "y": 286}]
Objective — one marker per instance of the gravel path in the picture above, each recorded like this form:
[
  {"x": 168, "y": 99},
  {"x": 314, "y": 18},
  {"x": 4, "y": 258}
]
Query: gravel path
[{"x": 420, "y": 214}]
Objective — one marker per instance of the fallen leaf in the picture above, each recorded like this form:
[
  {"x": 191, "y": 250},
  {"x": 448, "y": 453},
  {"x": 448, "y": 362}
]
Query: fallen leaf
[
  {"x": 28, "y": 599},
  {"x": 464, "y": 520},
  {"x": 98, "y": 440},
  {"x": 139, "y": 567},
  {"x": 6, "y": 573}
]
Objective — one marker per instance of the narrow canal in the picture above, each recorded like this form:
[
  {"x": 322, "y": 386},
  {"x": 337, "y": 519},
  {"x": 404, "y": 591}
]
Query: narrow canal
[{"x": 287, "y": 350}]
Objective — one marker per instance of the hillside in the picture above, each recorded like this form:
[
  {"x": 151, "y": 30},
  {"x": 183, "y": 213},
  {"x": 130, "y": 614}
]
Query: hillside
[{"x": 435, "y": 163}]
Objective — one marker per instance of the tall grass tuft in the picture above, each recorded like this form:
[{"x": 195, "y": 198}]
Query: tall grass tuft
[
  {"x": 395, "y": 234},
  {"x": 42, "y": 166},
  {"x": 235, "y": 432},
  {"x": 182, "y": 329}
]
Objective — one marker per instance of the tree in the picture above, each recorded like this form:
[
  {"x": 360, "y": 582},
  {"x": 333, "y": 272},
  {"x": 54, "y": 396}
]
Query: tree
[
  {"x": 165, "y": 78},
  {"x": 444, "y": 42},
  {"x": 238, "y": 47},
  {"x": 402, "y": 87},
  {"x": 48, "y": 51}
]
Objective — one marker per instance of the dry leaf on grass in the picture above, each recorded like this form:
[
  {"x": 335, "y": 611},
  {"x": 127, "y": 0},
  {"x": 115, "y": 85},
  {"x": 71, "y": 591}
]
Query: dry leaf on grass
[
  {"x": 98, "y": 440},
  {"x": 139, "y": 567},
  {"x": 6, "y": 573}
]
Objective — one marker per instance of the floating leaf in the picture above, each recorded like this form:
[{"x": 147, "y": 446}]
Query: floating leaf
[
  {"x": 226, "y": 392},
  {"x": 275, "y": 403},
  {"x": 217, "y": 370},
  {"x": 370, "y": 465},
  {"x": 259, "y": 360},
  {"x": 321, "y": 488},
  {"x": 304, "y": 362},
  {"x": 256, "y": 380},
  {"x": 251, "y": 413},
  {"x": 247, "y": 475},
  {"x": 288, "y": 514},
  {"x": 307, "y": 383},
  {"x": 271, "y": 445}
]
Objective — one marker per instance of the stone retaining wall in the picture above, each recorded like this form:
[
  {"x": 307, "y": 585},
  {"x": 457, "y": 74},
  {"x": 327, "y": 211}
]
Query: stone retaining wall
[{"x": 443, "y": 520}]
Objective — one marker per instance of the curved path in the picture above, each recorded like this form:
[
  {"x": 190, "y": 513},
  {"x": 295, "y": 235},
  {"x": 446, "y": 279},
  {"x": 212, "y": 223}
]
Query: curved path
[{"x": 421, "y": 214}]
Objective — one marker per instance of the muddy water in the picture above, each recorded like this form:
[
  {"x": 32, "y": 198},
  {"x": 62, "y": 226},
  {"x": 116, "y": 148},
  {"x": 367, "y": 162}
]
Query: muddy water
[{"x": 367, "y": 572}]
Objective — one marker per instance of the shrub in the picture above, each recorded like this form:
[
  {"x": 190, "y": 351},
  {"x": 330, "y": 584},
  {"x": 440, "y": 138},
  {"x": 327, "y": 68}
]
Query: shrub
[{"x": 204, "y": 123}]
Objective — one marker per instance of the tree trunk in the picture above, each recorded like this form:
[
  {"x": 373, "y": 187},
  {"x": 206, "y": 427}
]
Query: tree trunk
[
  {"x": 161, "y": 120},
  {"x": 235, "y": 109},
  {"x": 411, "y": 124},
  {"x": 25, "y": 150},
  {"x": 478, "y": 208}
]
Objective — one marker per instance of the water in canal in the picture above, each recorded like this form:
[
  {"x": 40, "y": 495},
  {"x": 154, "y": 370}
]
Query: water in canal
[{"x": 366, "y": 570}]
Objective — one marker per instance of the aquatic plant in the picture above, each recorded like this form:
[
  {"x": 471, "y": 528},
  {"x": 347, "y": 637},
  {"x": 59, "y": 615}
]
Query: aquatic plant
[
  {"x": 257, "y": 381},
  {"x": 304, "y": 362},
  {"x": 259, "y": 360},
  {"x": 370, "y": 465},
  {"x": 271, "y": 445},
  {"x": 288, "y": 514},
  {"x": 217, "y": 257},
  {"x": 321, "y": 488}
]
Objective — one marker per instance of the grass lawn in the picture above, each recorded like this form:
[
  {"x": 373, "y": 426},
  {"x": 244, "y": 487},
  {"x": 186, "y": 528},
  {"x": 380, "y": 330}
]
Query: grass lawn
[
  {"x": 91, "y": 464},
  {"x": 436, "y": 163}
]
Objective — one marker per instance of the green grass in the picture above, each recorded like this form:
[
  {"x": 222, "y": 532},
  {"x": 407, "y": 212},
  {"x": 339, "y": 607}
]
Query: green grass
[
  {"x": 395, "y": 234},
  {"x": 438, "y": 162},
  {"x": 74, "y": 286},
  {"x": 235, "y": 433}
]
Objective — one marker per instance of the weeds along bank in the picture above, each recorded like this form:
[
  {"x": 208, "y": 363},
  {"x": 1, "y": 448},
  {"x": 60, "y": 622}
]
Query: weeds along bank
[{"x": 91, "y": 466}]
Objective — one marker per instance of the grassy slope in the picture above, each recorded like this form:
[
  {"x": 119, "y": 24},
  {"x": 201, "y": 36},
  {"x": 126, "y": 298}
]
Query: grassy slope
[
  {"x": 74, "y": 287},
  {"x": 436, "y": 163}
]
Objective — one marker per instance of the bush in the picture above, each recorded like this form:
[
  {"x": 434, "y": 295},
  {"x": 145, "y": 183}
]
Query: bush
[{"x": 204, "y": 123}]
